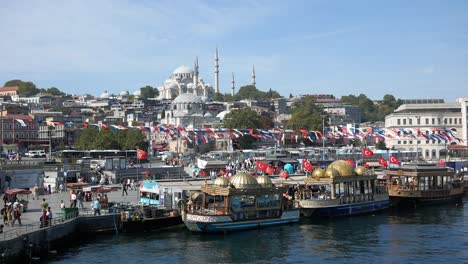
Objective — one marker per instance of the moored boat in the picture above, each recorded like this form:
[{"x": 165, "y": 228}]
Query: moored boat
[
  {"x": 423, "y": 183},
  {"x": 340, "y": 191},
  {"x": 239, "y": 204}
]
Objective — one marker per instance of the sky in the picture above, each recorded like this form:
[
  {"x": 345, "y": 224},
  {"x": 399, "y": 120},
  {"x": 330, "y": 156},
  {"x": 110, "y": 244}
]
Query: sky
[{"x": 410, "y": 49}]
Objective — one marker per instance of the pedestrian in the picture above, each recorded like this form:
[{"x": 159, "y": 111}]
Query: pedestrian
[
  {"x": 96, "y": 206},
  {"x": 73, "y": 200},
  {"x": 124, "y": 188},
  {"x": 4, "y": 213},
  {"x": 1, "y": 228},
  {"x": 49, "y": 216},
  {"x": 44, "y": 204},
  {"x": 16, "y": 216},
  {"x": 61, "y": 187},
  {"x": 43, "y": 219},
  {"x": 36, "y": 192},
  {"x": 80, "y": 199},
  {"x": 106, "y": 200},
  {"x": 62, "y": 204},
  {"x": 49, "y": 189}
]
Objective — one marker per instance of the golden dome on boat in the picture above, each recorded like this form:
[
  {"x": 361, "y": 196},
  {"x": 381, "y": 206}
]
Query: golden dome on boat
[
  {"x": 221, "y": 182},
  {"x": 331, "y": 172},
  {"x": 264, "y": 181},
  {"x": 360, "y": 170},
  {"x": 243, "y": 181},
  {"x": 319, "y": 172},
  {"x": 343, "y": 168}
]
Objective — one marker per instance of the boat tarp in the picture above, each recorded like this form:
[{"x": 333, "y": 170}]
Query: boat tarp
[{"x": 149, "y": 186}]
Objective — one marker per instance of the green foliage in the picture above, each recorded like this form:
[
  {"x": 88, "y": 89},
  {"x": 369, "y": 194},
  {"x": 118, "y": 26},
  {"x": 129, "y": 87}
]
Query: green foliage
[
  {"x": 381, "y": 145},
  {"x": 24, "y": 88},
  {"x": 244, "y": 142},
  {"x": 218, "y": 97},
  {"x": 306, "y": 115},
  {"x": 111, "y": 139},
  {"x": 148, "y": 92},
  {"x": 373, "y": 112},
  {"x": 54, "y": 91},
  {"x": 243, "y": 118},
  {"x": 251, "y": 92}
]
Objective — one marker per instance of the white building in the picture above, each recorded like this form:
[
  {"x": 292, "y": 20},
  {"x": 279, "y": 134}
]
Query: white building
[{"x": 428, "y": 117}]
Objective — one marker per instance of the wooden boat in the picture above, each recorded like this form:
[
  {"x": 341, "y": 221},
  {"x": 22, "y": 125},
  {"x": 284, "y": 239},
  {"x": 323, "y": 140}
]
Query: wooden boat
[
  {"x": 239, "y": 204},
  {"x": 423, "y": 183},
  {"x": 148, "y": 218},
  {"x": 340, "y": 191}
]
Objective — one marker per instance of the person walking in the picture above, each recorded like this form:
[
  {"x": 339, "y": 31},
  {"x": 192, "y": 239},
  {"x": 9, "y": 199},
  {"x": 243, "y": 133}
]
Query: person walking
[
  {"x": 44, "y": 204},
  {"x": 96, "y": 208},
  {"x": 49, "y": 216},
  {"x": 16, "y": 216},
  {"x": 73, "y": 200},
  {"x": 36, "y": 192},
  {"x": 124, "y": 188}
]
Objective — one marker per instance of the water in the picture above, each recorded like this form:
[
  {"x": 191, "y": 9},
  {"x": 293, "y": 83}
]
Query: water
[{"x": 425, "y": 235}]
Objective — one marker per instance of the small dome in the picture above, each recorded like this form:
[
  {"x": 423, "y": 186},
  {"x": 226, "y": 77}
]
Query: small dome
[
  {"x": 183, "y": 70},
  {"x": 319, "y": 172},
  {"x": 222, "y": 114},
  {"x": 360, "y": 170},
  {"x": 264, "y": 181},
  {"x": 221, "y": 182},
  {"x": 207, "y": 114},
  {"x": 343, "y": 168},
  {"x": 187, "y": 98},
  {"x": 124, "y": 93},
  {"x": 243, "y": 181},
  {"x": 171, "y": 85}
]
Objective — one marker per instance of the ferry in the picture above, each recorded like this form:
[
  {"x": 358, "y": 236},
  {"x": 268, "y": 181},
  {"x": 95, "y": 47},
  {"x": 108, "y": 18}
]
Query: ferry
[
  {"x": 340, "y": 191},
  {"x": 240, "y": 204},
  {"x": 423, "y": 183}
]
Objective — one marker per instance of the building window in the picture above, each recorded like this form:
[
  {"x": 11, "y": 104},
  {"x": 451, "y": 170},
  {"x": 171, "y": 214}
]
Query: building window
[
  {"x": 427, "y": 141},
  {"x": 398, "y": 122},
  {"x": 459, "y": 121},
  {"x": 418, "y": 142},
  {"x": 419, "y": 121},
  {"x": 410, "y": 121},
  {"x": 404, "y": 142},
  {"x": 445, "y": 121},
  {"x": 433, "y": 121},
  {"x": 410, "y": 142},
  {"x": 399, "y": 142},
  {"x": 455, "y": 121},
  {"x": 427, "y": 121},
  {"x": 438, "y": 121},
  {"x": 450, "y": 121}
]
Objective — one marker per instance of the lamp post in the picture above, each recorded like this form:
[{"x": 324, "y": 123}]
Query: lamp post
[{"x": 323, "y": 139}]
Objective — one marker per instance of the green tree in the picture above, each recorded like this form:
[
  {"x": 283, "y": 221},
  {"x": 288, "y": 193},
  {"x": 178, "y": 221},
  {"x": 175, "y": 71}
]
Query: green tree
[
  {"x": 381, "y": 145},
  {"x": 148, "y": 92},
  {"x": 24, "y": 88},
  {"x": 218, "y": 97},
  {"x": 306, "y": 115},
  {"x": 54, "y": 91},
  {"x": 243, "y": 118},
  {"x": 251, "y": 92},
  {"x": 111, "y": 139}
]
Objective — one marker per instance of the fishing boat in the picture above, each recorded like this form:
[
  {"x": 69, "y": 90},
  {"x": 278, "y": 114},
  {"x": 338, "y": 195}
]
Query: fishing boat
[
  {"x": 423, "y": 183},
  {"x": 239, "y": 204},
  {"x": 340, "y": 191}
]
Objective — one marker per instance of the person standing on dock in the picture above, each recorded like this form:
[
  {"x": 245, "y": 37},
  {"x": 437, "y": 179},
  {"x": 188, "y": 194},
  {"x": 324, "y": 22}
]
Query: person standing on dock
[
  {"x": 44, "y": 204},
  {"x": 36, "y": 192},
  {"x": 124, "y": 188},
  {"x": 73, "y": 200},
  {"x": 96, "y": 207},
  {"x": 16, "y": 216}
]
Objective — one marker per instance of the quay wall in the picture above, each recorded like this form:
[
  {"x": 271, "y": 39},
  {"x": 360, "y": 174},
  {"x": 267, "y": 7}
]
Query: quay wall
[{"x": 38, "y": 243}]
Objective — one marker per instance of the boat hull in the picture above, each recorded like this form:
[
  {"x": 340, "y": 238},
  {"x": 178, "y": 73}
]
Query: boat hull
[
  {"x": 224, "y": 223},
  {"x": 346, "y": 209},
  {"x": 396, "y": 201},
  {"x": 150, "y": 224}
]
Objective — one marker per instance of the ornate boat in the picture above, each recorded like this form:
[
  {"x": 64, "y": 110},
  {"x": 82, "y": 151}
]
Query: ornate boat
[
  {"x": 423, "y": 183},
  {"x": 340, "y": 191},
  {"x": 239, "y": 204}
]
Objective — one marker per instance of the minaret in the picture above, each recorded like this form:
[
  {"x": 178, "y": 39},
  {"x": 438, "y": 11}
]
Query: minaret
[
  {"x": 233, "y": 85},
  {"x": 195, "y": 77},
  {"x": 253, "y": 75},
  {"x": 216, "y": 72}
]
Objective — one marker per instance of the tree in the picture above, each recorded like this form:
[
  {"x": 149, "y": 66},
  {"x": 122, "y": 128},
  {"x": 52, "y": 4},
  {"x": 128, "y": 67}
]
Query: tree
[
  {"x": 381, "y": 145},
  {"x": 54, "y": 91},
  {"x": 24, "y": 88},
  {"x": 306, "y": 115},
  {"x": 373, "y": 112},
  {"x": 148, "y": 92},
  {"x": 218, "y": 97},
  {"x": 111, "y": 139},
  {"x": 251, "y": 92},
  {"x": 243, "y": 118}
]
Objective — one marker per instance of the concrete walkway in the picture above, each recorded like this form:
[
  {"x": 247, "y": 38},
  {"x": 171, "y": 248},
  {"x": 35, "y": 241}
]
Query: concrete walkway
[{"x": 33, "y": 213}]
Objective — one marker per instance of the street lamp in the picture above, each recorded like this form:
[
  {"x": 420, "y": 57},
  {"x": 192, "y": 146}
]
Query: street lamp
[{"x": 323, "y": 135}]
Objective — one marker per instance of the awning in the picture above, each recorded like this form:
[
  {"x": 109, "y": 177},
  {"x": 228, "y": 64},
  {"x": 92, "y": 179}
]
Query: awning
[
  {"x": 456, "y": 147},
  {"x": 211, "y": 164}
]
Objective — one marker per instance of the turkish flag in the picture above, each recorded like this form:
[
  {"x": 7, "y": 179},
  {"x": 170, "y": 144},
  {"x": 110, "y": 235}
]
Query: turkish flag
[
  {"x": 284, "y": 174},
  {"x": 261, "y": 166},
  {"x": 270, "y": 170},
  {"x": 307, "y": 165},
  {"x": 350, "y": 162},
  {"x": 441, "y": 163},
  {"x": 383, "y": 162},
  {"x": 366, "y": 165},
  {"x": 367, "y": 153},
  {"x": 141, "y": 154},
  {"x": 394, "y": 160}
]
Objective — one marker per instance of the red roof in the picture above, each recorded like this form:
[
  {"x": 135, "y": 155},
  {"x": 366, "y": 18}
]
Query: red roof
[
  {"x": 457, "y": 147},
  {"x": 9, "y": 89}
]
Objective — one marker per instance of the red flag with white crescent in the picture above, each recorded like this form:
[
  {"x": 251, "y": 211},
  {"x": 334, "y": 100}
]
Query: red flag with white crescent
[
  {"x": 394, "y": 160},
  {"x": 367, "y": 152},
  {"x": 383, "y": 162},
  {"x": 261, "y": 166}
]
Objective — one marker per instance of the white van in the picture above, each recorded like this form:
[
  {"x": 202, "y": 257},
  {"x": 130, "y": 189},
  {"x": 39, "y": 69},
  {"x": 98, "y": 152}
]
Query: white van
[{"x": 35, "y": 154}]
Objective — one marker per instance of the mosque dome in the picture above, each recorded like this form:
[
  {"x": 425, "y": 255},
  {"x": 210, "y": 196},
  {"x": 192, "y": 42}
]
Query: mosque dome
[
  {"x": 222, "y": 114},
  {"x": 188, "y": 98},
  {"x": 264, "y": 181},
  {"x": 243, "y": 181},
  {"x": 104, "y": 95},
  {"x": 124, "y": 93},
  {"x": 360, "y": 170},
  {"x": 207, "y": 114},
  {"x": 319, "y": 172},
  {"x": 343, "y": 168},
  {"x": 330, "y": 173},
  {"x": 221, "y": 182},
  {"x": 183, "y": 70}
]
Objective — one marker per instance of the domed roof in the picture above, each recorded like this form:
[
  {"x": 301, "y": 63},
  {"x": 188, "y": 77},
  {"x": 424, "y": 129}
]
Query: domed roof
[
  {"x": 264, "y": 181},
  {"x": 360, "y": 170},
  {"x": 221, "y": 182},
  {"x": 330, "y": 172},
  {"x": 187, "y": 98},
  {"x": 124, "y": 93},
  {"x": 183, "y": 70},
  {"x": 319, "y": 172},
  {"x": 222, "y": 114},
  {"x": 207, "y": 114},
  {"x": 105, "y": 94},
  {"x": 343, "y": 168},
  {"x": 243, "y": 181}
]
